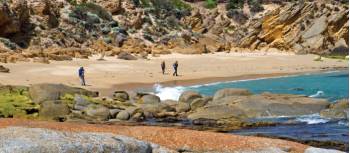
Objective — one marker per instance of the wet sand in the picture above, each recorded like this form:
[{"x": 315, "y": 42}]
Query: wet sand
[{"x": 115, "y": 74}]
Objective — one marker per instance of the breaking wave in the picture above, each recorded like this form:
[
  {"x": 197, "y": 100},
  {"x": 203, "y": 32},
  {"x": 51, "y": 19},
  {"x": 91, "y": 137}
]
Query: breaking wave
[{"x": 168, "y": 93}]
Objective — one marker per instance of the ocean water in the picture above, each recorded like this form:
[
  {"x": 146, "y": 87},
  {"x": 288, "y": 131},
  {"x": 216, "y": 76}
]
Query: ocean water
[{"x": 330, "y": 85}]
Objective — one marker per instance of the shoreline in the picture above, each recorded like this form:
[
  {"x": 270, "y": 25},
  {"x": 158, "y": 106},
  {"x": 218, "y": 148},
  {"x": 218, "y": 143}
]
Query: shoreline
[
  {"x": 116, "y": 74},
  {"x": 202, "y": 81}
]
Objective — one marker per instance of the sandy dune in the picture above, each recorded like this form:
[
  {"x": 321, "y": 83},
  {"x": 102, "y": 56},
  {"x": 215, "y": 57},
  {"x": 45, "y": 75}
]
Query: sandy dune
[{"x": 112, "y": 72}]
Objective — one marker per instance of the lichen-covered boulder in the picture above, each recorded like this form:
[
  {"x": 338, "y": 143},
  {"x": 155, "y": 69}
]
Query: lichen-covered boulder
[
  {"x": 230, "y": 92},
  {"x": 97, "y": 112},
  {"x": 189, "y": 96},
  {"x": 54, "y": 110},
  {"x": 47, "y": 91}
]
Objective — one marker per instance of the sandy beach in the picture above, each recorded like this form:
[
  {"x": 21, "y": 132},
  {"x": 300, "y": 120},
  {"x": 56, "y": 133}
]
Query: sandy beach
[{"x": 115, "y": 74}]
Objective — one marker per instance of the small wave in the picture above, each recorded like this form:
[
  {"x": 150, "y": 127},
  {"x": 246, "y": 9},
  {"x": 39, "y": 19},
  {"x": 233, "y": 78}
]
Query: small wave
[
  {"x": 342, "y": 122},
  {"x": 168, "y": 93},
  {"x": 317, "y": 95},
  {"x": 312, "y": 119}
]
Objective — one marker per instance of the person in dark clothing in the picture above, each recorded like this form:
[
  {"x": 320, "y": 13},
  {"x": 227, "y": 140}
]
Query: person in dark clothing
[
  {"x": 163, "y": 67},
  {"x": 81, "y": 72},
  {"x": 175, "y": 65}
]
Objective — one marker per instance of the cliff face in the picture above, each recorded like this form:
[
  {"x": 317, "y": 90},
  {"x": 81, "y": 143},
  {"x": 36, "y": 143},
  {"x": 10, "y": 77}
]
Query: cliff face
[{"x": 67, "y": 28}]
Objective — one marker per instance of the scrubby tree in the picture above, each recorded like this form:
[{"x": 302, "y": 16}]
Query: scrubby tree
[
  {"x": 234, "y": 4},
  {"x": 255, "y": 5},
  {"x": 210, "y": 4}
]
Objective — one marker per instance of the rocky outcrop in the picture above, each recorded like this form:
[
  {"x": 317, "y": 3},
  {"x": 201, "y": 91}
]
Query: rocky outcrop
[
  {"x": 66, "y": 29},
  {"x": 234, "y": 108},
  {"x": 229, "y": 109},
  {"x": 338, "y": 110},
  {"x": 20, "y": 140},
  {"x": 43, "y": 92},
  {"x": 298, "y": 27}
]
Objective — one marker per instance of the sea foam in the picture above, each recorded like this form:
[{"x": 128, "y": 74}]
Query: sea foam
[
  {"x": 168, "y": 93},
  {"x": 312, "y": 119}
]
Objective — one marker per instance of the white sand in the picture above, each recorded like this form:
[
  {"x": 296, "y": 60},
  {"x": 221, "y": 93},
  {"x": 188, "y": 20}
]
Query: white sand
[{"x": 112, "y": 71}]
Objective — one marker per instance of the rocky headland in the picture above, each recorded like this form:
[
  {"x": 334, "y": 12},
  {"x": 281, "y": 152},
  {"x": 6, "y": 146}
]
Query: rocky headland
[
  {"x": 227, "y": 110},
  {"x": 43, "y": 30}
]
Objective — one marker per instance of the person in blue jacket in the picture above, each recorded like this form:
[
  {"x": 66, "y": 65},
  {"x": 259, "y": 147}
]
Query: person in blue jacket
[{"x": 81, "y": 72}]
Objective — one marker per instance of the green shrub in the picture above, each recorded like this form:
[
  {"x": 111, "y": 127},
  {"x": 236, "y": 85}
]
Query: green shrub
[
  {"x": 166, "y": 8},
  {"x": 72, "y": 2},
  {"x": 145, "y": 3},
  {"x": 255, "y": 5},
  {"x": 8, "y": 43},
  {"x": 14, "y": 102},
  {"x": 210, "y": 4},
  {"x": 179, "y": 4},
  {"x": 81, "y": 10},
  {"x": 234, "y": 4}
]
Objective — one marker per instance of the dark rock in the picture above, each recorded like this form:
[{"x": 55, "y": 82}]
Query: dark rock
[
  {"x": 126, "y": 56},
  {"x": 4, "y": 69},
  {"x": 113, "y": 112}
]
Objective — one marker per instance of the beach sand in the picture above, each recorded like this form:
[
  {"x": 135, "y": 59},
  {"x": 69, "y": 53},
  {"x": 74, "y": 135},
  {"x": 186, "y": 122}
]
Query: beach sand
[{"x": 115, "y": 74}]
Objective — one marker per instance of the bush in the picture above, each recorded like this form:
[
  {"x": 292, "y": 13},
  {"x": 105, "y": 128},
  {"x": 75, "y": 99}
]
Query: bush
[
  {"x": 8, "y": 43},
  {"x": 177, "y": 8},
  {"x": 237, "y": 15},
  {"x": 234, "y": 4},
  {"x": 255, "y": 5},
  {"x": 210, "y": 4},
  {"x": 72, "y": 2},
  {"x": 80, "y": 11}
]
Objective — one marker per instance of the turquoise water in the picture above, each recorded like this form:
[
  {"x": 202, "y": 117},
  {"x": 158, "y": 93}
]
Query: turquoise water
[
  {"x": 333, "y": 85},
  {"x": 330, "y": 85}
]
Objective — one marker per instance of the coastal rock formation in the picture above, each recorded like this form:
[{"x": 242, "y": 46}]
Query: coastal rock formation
[
  {"x": 299, "y": 27},
  {"x": 229, "y": 109},
  {"x": 338, "y": 110},
  {"x": 20, "y": 140},
  {"x": 65, "y": 29},
  {"x": 43, "y": 92}
]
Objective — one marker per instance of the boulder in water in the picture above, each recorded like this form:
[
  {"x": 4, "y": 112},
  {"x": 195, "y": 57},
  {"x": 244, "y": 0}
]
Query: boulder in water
[
  {"x": 150, "y": 99},
  {"x": 230, "y": 92},
  {"x": 338, "y": 110},
  {"x": 189, "y": 96}
]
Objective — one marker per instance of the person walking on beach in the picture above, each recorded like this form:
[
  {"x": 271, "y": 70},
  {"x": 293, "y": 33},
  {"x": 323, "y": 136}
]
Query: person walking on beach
[
  {"x": 175, "y": 65},
  {"x": 81, "y": 72},
  {"x": 163, "y": 67}
]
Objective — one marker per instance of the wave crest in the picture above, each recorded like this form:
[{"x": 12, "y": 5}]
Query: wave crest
[{"x": 168, "y": 93}]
